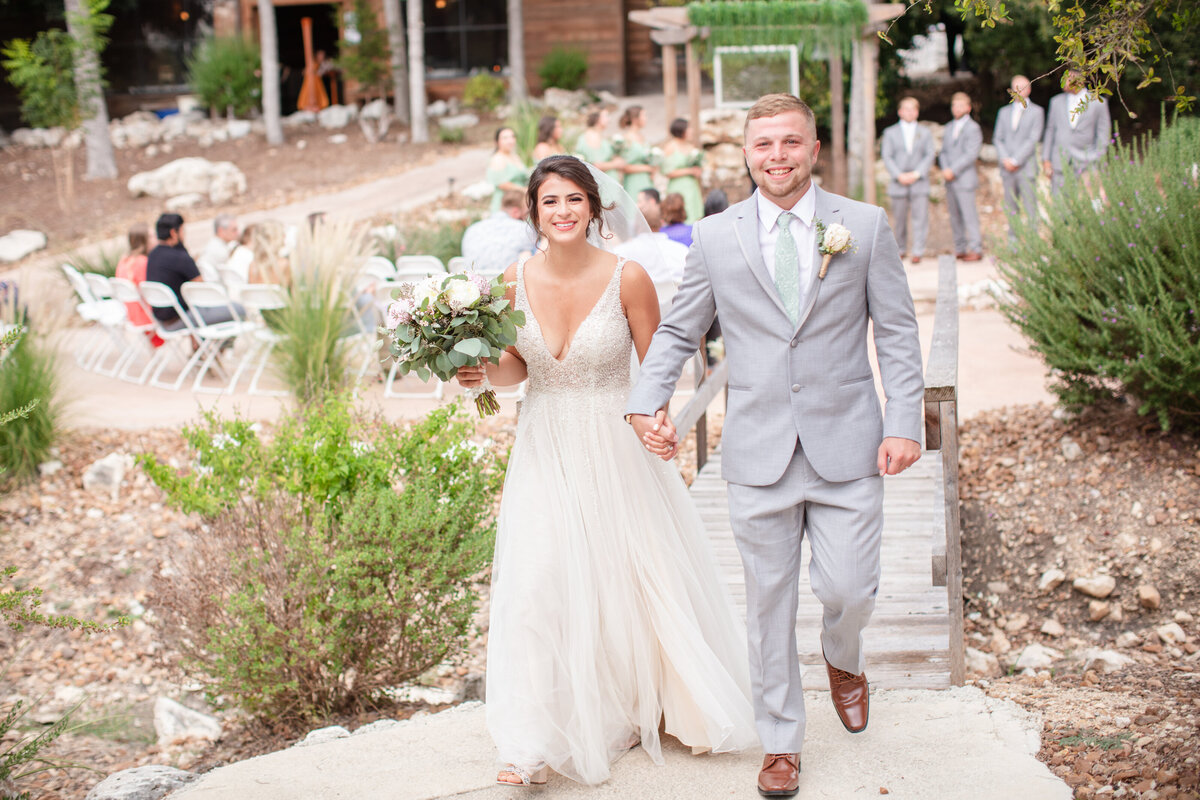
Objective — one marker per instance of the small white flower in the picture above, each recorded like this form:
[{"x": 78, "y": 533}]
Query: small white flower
[
  {"x": 427, "y": 290},
  {"x": 221, "y": 440}
]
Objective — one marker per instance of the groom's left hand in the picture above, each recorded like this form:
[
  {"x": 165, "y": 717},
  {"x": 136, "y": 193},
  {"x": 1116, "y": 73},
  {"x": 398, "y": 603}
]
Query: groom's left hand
[{"x": 897, "y": 454}]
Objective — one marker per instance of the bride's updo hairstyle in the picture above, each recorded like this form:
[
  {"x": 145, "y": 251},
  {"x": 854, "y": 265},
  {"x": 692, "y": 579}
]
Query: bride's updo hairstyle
[{"x": 572, "y": 169}]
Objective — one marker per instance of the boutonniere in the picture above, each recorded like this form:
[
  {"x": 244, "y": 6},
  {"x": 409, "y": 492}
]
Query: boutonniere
[{"x": 835, "y": 239}]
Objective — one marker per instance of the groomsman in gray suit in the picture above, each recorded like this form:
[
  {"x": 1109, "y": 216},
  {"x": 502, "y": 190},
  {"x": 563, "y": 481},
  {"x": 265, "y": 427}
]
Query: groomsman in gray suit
[
  {"x": 907, "y": 151},
  {"x": 806, "y": 444},
  {"x": 1078, "y": 131},
  {"x": 961, "y": 142},
  {"x": 1016, "y": 135}
]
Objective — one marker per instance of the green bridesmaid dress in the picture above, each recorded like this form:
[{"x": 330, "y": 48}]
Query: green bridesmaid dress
[
  {"x": 509, "y": 173},
  {"x": 598, "y": 155},
  {"x": 687, "y": 186},
  {"x": 637, "y": 153}
]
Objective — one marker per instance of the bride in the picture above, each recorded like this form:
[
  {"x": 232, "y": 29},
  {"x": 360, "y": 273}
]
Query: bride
[{"x": 607, "y": 612}]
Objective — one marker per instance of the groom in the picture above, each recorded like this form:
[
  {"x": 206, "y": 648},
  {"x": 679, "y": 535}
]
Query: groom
[{"x": 805, "y": 444}]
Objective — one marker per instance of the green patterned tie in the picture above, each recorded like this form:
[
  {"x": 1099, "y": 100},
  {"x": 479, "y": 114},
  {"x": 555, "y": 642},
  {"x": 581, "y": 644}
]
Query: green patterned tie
[{"x": 787, "y": 268}]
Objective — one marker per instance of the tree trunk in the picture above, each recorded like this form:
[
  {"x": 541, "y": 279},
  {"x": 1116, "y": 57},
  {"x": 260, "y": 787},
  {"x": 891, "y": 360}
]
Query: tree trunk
[
  {"x": 518, "y": 91},
  {"x": 395, "y": 28},
  {"x": 416, "y": 71},
  {"x": 101, "y": 161},
  {"x": 269, "y": 47}
]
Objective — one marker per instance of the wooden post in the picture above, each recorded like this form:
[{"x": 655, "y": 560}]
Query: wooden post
[
  {"x": 670, "y": 81},
  {"x": 870, "y": 48},
  {"x": 837, "y": 121},
  {"x": 693, "y": 88}
]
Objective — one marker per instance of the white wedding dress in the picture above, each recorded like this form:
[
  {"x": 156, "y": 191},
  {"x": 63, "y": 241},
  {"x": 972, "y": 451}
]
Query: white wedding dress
[{"x": 607, "y": 610}]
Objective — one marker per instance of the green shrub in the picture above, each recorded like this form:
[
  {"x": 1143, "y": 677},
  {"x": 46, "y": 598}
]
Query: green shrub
[
  {"x": 223, "y": 74},
  {"x": 1110, "y": 294},
  {"x": 28, "y": 381},
  {"x": 523, "y": 119},
  {"x": 451, "y": 135},
  {"x": 102, "y": 262},
  {"x": 339, "y": 557},
  {"x": 484, "y": 91},
  {"x": 563, "y": 68}
]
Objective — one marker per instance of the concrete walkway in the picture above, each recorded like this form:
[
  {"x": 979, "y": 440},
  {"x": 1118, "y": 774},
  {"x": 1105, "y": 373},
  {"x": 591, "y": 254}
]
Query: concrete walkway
[{"x": 921, "y": 745}]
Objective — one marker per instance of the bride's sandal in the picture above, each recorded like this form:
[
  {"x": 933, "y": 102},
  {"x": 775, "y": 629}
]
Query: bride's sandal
[{"x": 523, "y": 776}]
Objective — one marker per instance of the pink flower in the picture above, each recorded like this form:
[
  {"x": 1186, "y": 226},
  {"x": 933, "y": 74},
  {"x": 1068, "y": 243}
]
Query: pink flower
[
  {"x": 399, "y": 313},
  {"x": 482, "y": 283}
]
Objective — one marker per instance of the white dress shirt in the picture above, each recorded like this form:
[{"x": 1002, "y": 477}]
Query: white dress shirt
[
  {"x": 957, "y": 125},
  {"x": 909, "y": 129},
  {"x": 1017, "y": 111},
  {"x": 1073, "y": 106},
  {"x": 804, "y": 231}
]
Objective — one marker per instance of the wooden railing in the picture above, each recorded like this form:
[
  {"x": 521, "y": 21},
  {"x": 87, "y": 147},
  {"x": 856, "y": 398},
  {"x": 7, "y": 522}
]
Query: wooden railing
[
  {"x": 941, "y": 433},
  {"x": 695, "y": 413}
]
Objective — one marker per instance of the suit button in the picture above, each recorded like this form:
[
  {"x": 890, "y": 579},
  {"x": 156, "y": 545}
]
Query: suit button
[
  {"x": 795, "y": 387},
  {"x": 795, "y": 342}
]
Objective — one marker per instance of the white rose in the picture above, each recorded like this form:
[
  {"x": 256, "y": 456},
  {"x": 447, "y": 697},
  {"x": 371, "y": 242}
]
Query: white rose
[
  {"x": 427, "y": 289},
  {"x": 461, "y": 294},
  {"x": 837, "y": 238}
]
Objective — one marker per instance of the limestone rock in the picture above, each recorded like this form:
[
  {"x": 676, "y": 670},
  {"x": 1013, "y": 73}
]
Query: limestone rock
[
  {"x": 563, "y": 100},
  {"x": 321, "y": 735},
  {"x": 374, "y": 109},
  {"x": 1098, "y": 586},
  {"x": 106, "y": 474},
  {"x": 983, "y": 664},
  {"x": 1105, "y": 660},
  {"x": 1036, "y": 656},
  {"x": 17, "y": 244},
  {"x": 182, "y": 201},
  {"x": 1115, "y": 612},
  {"x": 139, "y": 129},
  {"x": 1171, "y": 633},
  {"x": 1128, "y": 639},
  {"x": 1070, "y": 449},
  {"x": 336, "y": 116},
  {"x": 1051, "y": 579},
  {"x": 339, "y": 138},
  {"x": 481, "y": 190},
  {"x": 438, "y": 108},
  {"x": 140, "y": 783},
  {"x": 175, "y": 722},
  {"x": 722, "y": 126},
  {"x": 377, "y": 725},
  {"x": 1053, "y": 627},
  {"x": 299, "y": 118},
  {"x": 458, "y": 122},
  {"x": 1016, "y": 622},
  {"x": 1149, "y": 597},
  {"x": 987, "y": 154},
  {"x": 220, "y": 180},
  {"x": 1182, "y": 617},
  {"x": 238, "y": 128},
  {"x": 1098, "y": 610}
]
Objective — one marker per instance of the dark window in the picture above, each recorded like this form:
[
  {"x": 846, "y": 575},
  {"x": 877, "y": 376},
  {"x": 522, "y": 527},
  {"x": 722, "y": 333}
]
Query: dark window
[{"x": 465, "y": 36}]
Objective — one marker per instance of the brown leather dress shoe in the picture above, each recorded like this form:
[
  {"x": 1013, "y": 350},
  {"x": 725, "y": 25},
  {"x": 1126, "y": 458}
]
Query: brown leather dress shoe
[
  {"x": 780, "y": 775},
  {"x": 916, "y": 259},
  {"x": 851, "y": 697},
  {"x": 972, "y": 256}
]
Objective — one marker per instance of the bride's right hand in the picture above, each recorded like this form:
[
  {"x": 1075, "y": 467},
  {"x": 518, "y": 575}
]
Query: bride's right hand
[{"x": 470, "y": 377}]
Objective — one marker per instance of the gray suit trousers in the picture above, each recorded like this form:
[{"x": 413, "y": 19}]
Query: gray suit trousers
[
  {"x": 910, "y": 208},
  {"x": 1020, "y": 195},
  {"x": 964, "y": 218},
  {"x": 844, "y": 524}
]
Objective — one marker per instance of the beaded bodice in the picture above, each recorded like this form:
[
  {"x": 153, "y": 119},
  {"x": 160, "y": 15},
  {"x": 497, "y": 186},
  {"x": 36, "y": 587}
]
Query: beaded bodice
[{"x": 597, "y": 361}]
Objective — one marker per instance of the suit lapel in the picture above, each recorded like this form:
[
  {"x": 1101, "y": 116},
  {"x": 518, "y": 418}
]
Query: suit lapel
[
  {"x": 745, "y": 228},
  {"x": 828, "y": 211}
]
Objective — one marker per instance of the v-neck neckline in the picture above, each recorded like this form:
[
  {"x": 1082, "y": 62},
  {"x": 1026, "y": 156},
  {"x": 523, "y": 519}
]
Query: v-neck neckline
[{"x": 569, "y": 346}]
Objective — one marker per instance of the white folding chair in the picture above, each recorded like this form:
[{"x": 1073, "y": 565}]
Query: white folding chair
[
  {"x": 159, "y": 296},
  {"x": 232, "y": 280},
  {"x": 257, "y": 298},
  {"x": 216, "y": 336},
  {"x": 416, "y": 267},
  {"x": 124, "y": 291},
  {"x": 208, "y": 271},
  {"x": 380, "y": 268},
  {"x": 108, "y": 314},
  {"x": 113, "y": 319},
  {"x": 458, "y": 264}
]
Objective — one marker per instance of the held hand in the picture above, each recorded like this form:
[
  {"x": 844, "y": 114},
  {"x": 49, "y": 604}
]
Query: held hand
[
  {"x": 470, "y": 377},
  {"x": 896, "y": 455},
  {"x": 948, "y": 174},
  {"x": 656, "y": 433},
  {"x": 1009, "y": 165}
]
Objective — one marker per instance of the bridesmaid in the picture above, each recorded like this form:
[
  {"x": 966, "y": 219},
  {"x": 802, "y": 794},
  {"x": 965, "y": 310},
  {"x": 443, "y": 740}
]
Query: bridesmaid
[
  {"x": 681, "y": 165},
  {"x": 549, "y": 139},
  {"x": 638, "y": 170},
  {"x": 594, "y": 146},
  {"x": 505, "y": 171}
]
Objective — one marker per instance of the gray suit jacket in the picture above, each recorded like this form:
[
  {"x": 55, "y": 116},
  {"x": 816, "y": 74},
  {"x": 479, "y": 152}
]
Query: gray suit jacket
[
  {"x": 959, "y": 153},
  {"x": 813, "y": 380},
  {"x": 1019, "y": 145},
  {"x": 897, "y": 159},
  {"x": 1082, "y": 145}
]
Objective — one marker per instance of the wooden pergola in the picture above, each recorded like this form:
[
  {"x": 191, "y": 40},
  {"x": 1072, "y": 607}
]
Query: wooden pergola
[{"x": 853, "y": 155}]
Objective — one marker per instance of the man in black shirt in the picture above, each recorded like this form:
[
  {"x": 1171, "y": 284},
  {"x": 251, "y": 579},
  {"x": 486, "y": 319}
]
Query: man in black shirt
[{"x": 170, "y": 264}]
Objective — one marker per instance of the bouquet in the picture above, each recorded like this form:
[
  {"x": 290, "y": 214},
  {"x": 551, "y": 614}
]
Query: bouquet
[
  {"x": 618, "y": 144},
  {"x": 445, "y": 322},
  {"x": 695, "y": 159}
]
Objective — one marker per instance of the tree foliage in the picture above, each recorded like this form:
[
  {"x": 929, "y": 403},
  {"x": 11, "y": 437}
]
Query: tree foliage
[
  {"x": 366, "y": 60},
  {"x": 223, "y": 74}
]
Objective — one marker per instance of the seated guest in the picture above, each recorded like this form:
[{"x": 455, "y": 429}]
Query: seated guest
[
  {"x": 242, "y": 257},
  {"x": 674, "y": 214},
  {"x": 170, "y": 264},
  {"x": 662, "y": 258},
  {"x": 492, "y": 243},
  {"x": 218, "y": 249},
  {"x": 716, "y": 202},
  {"x": 649, "y": 202},
  {"x": 132, "y": 267}
]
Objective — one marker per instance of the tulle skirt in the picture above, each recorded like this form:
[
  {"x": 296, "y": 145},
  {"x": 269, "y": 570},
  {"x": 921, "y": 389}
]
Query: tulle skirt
[{"x": 607, "y": 613}]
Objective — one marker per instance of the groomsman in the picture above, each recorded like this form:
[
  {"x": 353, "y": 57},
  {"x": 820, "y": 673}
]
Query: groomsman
[
  {"x": 960, "y": 149},
  {"x": 1078, "y": 131},
  {"x": 907, "y": 151},
  {"x": 1018, "y": 130}
]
